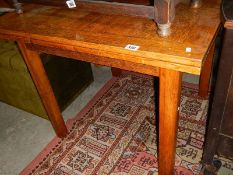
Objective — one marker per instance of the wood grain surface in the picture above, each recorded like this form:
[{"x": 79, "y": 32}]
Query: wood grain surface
[
  {"x": 169, "y": 100},
  {"x": 101, "y": 39},
  {"x": 107, "y": 35}
]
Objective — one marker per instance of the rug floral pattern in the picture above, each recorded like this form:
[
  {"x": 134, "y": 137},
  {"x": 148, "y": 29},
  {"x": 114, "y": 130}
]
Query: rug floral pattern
[{"x": 117, "y": 135}]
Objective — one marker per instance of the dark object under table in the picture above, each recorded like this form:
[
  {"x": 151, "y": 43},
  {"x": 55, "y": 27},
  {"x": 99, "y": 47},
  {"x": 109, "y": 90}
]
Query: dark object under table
[{"x": 220, "y": 129}]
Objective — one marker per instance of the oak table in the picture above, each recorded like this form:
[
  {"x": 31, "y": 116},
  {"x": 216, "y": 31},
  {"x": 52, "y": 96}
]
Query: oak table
[
  {"x": 161, "y": 11},
  {"x": 101, "y": 39}
]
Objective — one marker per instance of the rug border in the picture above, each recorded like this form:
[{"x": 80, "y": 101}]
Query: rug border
[{"x": 45, "y": 151}]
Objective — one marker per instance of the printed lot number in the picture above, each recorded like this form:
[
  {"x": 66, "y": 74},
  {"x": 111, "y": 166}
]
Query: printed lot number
[
  {"x": 132, "y": 47},
  {"x": 71, "y": 3}
]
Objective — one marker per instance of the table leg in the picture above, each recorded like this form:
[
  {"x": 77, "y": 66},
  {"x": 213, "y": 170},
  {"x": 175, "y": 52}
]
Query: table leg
[
  {"x": 164, "y": 15},
  {"x": 116, "y": 72},
  {"x": 169, "y": 100},
  {"x": 204, "y": 80},
  {"x": 44, "y": 88},
  {"x": 196, "y": 3},
  {"x": 16, "y": 5}
]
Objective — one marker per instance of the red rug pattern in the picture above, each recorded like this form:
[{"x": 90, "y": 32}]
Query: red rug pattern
[{"x": 115, "y": 134}]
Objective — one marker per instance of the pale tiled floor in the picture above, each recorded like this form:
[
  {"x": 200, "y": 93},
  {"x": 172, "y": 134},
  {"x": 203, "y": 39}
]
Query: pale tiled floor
[{"x": 23, "y": 135}]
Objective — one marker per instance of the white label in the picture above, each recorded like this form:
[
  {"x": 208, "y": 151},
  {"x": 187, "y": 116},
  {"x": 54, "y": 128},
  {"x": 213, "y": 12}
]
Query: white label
[
  {"x": 188, "y": 49},
  {"x": 71, "y": 3},
  {"x": 132, "y": 47}
]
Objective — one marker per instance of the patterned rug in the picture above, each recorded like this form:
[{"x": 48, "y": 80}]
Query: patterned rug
[{"x": 115, "y": 134}]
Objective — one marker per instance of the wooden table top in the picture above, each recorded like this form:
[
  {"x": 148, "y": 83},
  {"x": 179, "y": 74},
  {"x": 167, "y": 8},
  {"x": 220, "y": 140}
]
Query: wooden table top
[{"x": 107, "y": 35}]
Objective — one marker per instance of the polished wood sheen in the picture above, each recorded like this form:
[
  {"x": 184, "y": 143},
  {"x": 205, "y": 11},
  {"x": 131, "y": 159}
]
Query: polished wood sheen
[
  {"x": 169, "y": 100},
  {"x": 105, "y": 7},
  {"x": 163, "y": 11},
  {"x": 107, "y": 35},
  {"x": 101, "y": 39}
]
